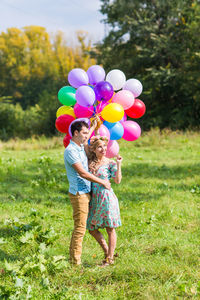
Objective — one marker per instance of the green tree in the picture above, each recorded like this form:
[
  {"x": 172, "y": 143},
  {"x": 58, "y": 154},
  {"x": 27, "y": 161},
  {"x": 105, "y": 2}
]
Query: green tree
[
  {"x": 32, "y": 62},
  {"x": 34, "y": 66},
  {"x": 157, "y": 42}
]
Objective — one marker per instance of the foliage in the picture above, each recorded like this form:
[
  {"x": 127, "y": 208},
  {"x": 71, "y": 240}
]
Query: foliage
[
  {"x": 33, "y": 62},
  {"x": 158, "y": 242},
  {"x": 157, "y": 42},
  {"x": 16, "y": 122},
  {"x": 34, "y": 66}
]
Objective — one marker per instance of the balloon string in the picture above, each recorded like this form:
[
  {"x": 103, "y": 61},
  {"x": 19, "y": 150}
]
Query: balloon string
[
  {"x": 91, "y": 110},
  {"x": 100, "y": 105}
]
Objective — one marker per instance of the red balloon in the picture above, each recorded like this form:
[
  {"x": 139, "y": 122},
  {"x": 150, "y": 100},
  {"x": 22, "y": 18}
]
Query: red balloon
[
  {"x": 66, "y": 140},
  {"x": 137, "y": 110},
  {"x": 63, "y": 122}
]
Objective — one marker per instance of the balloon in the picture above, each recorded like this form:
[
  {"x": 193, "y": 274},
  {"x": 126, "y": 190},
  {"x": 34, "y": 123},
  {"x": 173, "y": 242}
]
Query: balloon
[
  {"x": 103, "y": 90},
  {"x": 123, "y": 119},
  {"x": 132, "y": 131},
  {"x": 113, "y": 112},
  {"x": 125, "y": 98},
  {"x": 85, "y": 96},
  {"x": 65, "y": 110},
  {"x": 82, "y": 111},
  {"x": 116, "y": 130},
  {"x": 78, "y": 77},
  {"x": 103, "y": 131},
  {"x": 116, "y": 78},
  {"x": 63, "y": 122},
  {"x": 95, "y": 74},
  {"x": 112, "y": 149},
  {"x": 101, "y": 106},
  {"x": 137, "y": 110},
  {"x": 66, "y": 95},
  {"x": 134, "y": 86},
  {"x": 66, "y": 140}
]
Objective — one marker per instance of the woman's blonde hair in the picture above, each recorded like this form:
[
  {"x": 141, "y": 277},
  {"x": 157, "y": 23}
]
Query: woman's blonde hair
[{"x": 94, "y": 143}]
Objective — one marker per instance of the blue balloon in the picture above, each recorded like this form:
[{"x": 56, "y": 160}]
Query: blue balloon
[
  {"x": 109, "y": 124},
  {"x": 116, "y": 130}
]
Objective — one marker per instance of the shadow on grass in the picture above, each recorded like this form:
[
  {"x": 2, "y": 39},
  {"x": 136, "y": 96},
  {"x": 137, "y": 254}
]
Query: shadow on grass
[
  {"x": 7, "y": 232},
  {"x": 48, "y": 182},
  {"x": 138, "y": 197},
  {"x": 144, "y": 170},
  {"x": 8, "y": 257}
]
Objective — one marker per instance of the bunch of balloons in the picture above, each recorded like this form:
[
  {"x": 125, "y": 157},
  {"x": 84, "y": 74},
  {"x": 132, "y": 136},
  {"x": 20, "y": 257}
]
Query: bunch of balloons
[{"x": 111, "y": 97}]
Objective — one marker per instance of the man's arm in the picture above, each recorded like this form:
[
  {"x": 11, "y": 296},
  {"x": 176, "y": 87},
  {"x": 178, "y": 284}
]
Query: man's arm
[
  {"x": 92, "y": 128},
  {"x": 84, "y": 174}
]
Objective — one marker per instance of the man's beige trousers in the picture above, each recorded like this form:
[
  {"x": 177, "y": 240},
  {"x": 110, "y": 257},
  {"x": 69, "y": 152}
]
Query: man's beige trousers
[{"x": 80, "y": 205}]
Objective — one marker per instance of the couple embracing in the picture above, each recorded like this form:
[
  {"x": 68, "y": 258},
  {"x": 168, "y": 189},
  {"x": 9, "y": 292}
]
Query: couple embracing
[{"x": 93, "y": 201}]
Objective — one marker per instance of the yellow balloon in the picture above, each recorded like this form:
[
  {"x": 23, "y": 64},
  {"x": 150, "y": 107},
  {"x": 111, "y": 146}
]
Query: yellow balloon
[
  {"x": 65, "y": 110},
  {"x": 113, "y": 112}
]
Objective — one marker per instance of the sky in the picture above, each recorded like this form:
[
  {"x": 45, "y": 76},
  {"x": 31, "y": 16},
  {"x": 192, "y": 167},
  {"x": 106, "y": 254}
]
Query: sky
[{"x": 65, "y": 15}]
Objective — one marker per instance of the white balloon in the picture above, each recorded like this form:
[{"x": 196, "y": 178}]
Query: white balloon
[
  {"x": 116, "y": 78},
  {"x": 134, "y": 86}
]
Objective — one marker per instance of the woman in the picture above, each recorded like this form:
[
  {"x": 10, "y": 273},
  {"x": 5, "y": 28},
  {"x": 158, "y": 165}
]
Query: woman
[{"x": 104, "y": 208}]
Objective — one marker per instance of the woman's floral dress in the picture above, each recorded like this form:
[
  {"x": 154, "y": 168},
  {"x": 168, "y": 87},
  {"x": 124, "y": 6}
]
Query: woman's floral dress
[{"x": 104, "y": 207}]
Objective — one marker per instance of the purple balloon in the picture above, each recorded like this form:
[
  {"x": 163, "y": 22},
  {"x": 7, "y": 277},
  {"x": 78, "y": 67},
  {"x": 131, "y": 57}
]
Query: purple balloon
[
  {"x": 85, "y": 96},
  {"x": 95, "y": 74},
  {"x": 78, "y": 77},
  {"x": 103, "y": 91}
]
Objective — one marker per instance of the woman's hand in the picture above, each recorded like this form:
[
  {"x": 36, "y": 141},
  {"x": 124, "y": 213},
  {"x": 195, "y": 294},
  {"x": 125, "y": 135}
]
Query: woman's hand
[{"x": 119, "y": 159}]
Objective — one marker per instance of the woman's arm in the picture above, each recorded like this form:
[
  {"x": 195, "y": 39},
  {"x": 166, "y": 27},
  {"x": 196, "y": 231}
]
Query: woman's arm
[{"x": 118, "y": 176}]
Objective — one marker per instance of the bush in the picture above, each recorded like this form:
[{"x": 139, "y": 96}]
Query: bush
[{"x": 16, "y": 122}]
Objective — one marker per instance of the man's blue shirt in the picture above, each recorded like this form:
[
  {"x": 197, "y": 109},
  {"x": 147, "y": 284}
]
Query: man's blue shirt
[{"x": 74, "y": 154}]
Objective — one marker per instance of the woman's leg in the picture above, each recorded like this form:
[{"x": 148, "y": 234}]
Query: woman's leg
[
  {"x": 112, "y": 240},
  {"x": 100, "y": 239}
]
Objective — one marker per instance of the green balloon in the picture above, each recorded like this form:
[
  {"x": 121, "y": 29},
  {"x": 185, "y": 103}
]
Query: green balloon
[{"x": 66, "y": 95}]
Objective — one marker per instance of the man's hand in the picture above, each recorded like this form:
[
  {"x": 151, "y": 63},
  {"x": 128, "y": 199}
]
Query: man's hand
[
  {"x": 94, "y": 123},
  {"x": 106, "y": 184}
]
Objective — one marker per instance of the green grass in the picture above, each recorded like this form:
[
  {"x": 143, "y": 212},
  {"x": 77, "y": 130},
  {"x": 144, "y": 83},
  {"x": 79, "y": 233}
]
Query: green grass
[{"x": 158, "y": 243}]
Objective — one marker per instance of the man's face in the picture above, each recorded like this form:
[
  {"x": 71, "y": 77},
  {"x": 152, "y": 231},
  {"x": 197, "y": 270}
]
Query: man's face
[{"x": 83, "y": 135}]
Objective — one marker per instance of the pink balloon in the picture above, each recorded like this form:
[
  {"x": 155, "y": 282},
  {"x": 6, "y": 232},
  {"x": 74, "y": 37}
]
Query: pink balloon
[
  {"x": 132, "y": 131},
  {"x": 125, "y": 98},
  {"x": 82, "y": 111},
  {"x": 112, "y": 149},
  {"x": 101, "y": 106},
  {"x": 103, "y": 131}
]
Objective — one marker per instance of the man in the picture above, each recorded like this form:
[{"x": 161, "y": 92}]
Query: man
[{"x": 79, "y": 178}]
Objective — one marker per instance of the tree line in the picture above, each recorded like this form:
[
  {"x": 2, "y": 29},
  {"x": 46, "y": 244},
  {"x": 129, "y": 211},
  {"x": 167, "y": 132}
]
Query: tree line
[
  {"x": 154, "y": 41},
  {"x": 157, "y": 42}
]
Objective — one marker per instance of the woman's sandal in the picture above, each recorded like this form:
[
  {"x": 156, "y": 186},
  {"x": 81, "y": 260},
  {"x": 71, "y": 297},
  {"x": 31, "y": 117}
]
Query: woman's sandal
[{"x": 107, "y": 261}]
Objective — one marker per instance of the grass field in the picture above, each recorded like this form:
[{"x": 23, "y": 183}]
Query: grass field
[{"x": 158, "y": 243}]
